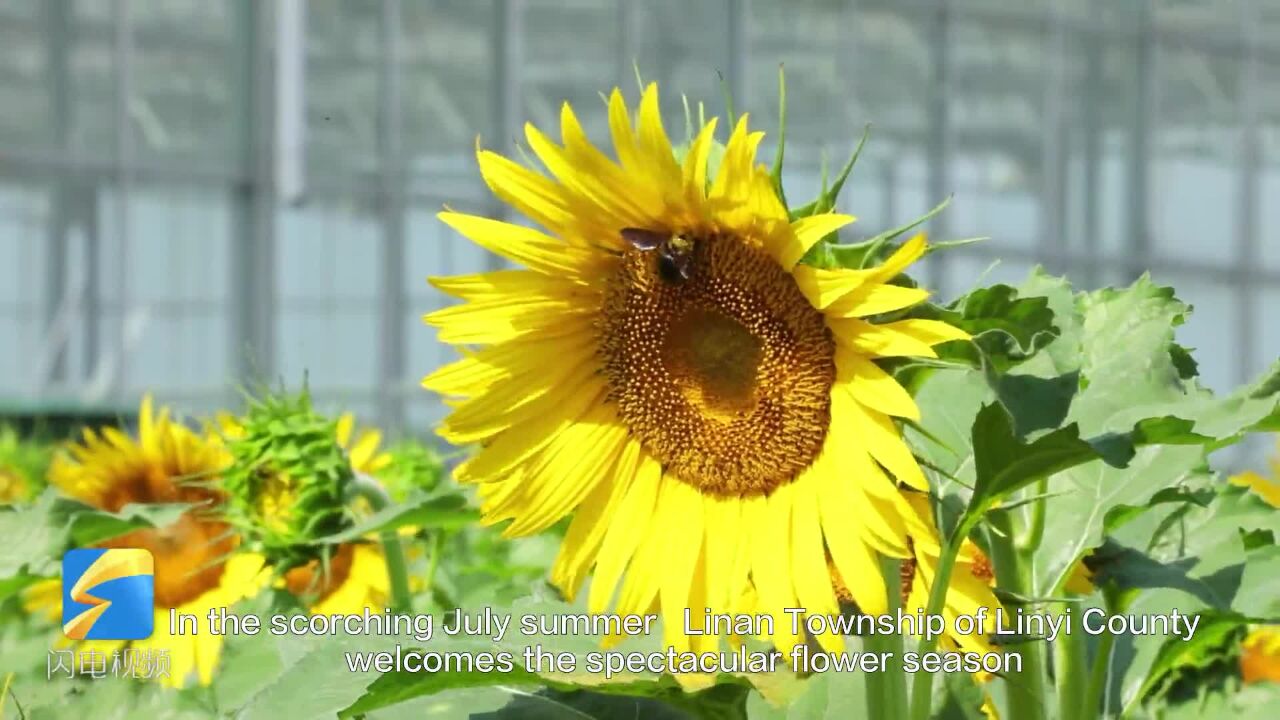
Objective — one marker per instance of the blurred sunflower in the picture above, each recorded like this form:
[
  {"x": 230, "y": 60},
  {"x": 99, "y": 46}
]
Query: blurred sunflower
[
  {"x": 1267, "y": 488},
  {"x": 666, "y": 366},
  {"x": 196, "y": 564},
  {"x": 1260, "y": 655},
  {"x": 1260, "y": 651},
  {"x": 355, "y": 579}
]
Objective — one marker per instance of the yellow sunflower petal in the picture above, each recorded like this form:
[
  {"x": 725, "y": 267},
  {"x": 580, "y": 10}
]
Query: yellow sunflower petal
[
  {"x": 583, "y": 539},
  {"x": 872, "y": 386},
  {"x": 771, "y": 562},
  {"x": 874, "y": 298},
  {"x": 533, "y": 194},
  {"x": 568, "y": 469},
  {"x": 695, "y": 163},
  {"x": 808, "y": 561},
  {"x": 346, "y": 425},
  {"x": 909, "y": 252},
  {"x": 875, "y": 340},
  {"x": 524, "y": 245},
  {"x": 679, "y": 520},
  {"x": 510, "y": 449},
  {"x": 624, "y": 535},
  {"x": 807, "y": 232},
  {"x": 884, "y": 442},
  {"x": 654, "y": 143}
]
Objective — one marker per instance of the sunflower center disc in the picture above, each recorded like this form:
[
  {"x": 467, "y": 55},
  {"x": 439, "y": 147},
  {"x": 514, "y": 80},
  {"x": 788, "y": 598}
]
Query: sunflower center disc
[
  {"x": 190, "y": 552},
  {"x": 315, "y": 582},
  {"x": 724, "y": 377},
  {"x": 189, "y": 556}
]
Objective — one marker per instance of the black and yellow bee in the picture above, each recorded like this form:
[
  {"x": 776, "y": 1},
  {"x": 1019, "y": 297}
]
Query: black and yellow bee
[{"x": 675, "y": 252}]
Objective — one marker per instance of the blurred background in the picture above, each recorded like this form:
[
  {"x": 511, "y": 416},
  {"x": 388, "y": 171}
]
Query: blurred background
[{"x": 197, "y": 194}]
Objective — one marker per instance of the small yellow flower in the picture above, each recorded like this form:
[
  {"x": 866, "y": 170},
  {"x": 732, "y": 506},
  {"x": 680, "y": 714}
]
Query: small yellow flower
[{"x": 1260, "y": 655}]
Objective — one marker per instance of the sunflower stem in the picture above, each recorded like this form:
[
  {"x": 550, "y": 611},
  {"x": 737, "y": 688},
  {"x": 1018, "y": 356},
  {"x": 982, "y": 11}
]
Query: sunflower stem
[
  {"x": 1069, "y": 660},
  {"x": 889, "y": 687},
  {"x": 392, "y": 551},
  {"x": 922, "y": 687},
  {"x": 437, "y": 548},
  {"x": 1099, "y": 677},
  {"x": 1026, "y": 687},
  {"x": 1030, "y": 540}
]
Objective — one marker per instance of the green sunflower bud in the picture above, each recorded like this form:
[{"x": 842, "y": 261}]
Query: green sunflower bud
[
  {"x": 289, "y": 481},
  {"x": 413, "y": 466}
]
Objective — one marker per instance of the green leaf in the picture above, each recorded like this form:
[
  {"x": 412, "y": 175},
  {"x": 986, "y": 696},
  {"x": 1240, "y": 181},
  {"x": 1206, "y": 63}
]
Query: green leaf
[
  {"x": 88, "y": 526},
  {"x": 31, "y": 539},
  {"x": 1007, "y": 328},
  {"x": 659, "y": 700},
  {"x": 1195, "y": 558},
  {"x": 394, "y": 688},
  {"x": 826, "y": 696},
  {"x": 1004, "y": 464},
  {"x": 1212, "y": 642},
  {"x": 313, "y": 680},
  {"x": 447, "y": 511},
  {"x": 1035, "y": 403}
]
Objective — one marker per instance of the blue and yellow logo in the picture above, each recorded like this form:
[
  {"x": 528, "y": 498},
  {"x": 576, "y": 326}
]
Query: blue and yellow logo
[{"x": 108, "y": 594}]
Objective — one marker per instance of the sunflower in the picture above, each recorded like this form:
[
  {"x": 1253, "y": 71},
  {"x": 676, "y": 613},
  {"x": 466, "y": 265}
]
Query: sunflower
[
  {"x": 665, "y": 366},
  {"x": 197, "y": 567},
  {"x": 1267, "y": 488},
  {"x": 1260, "y": 655}
]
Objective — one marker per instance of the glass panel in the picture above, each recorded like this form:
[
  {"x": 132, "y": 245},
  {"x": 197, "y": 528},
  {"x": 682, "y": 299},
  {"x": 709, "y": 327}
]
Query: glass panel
[
  {"x": 550, "y": 76},
  {"x": 995, "y": 95},
  {"x": 1268, "y": 330},
  {"x": 24, "y": 73},
  {"x": 1268, "y": 221},
  {"x": 1103, "y": 80},
  {"x": 1195, "y": 181},
  {"x": 184, "y": 65},
  {"x": 1221, "y": 18},
  {"x": 447, "y": 90},
  {"x": 327, "y": 279},
  {"x": 342, "y": 94},
  {"x": 177, "y": 264}
]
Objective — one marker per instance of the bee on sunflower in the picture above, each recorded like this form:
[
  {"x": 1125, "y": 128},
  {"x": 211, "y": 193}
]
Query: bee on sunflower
[
  {"x": 665, "y": 368},
  {"x": 198, "y": 565}
]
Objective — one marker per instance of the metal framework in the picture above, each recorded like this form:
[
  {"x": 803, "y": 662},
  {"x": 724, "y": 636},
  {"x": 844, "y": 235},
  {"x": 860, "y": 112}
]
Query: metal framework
[{"x": 1092, "y": 87}]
